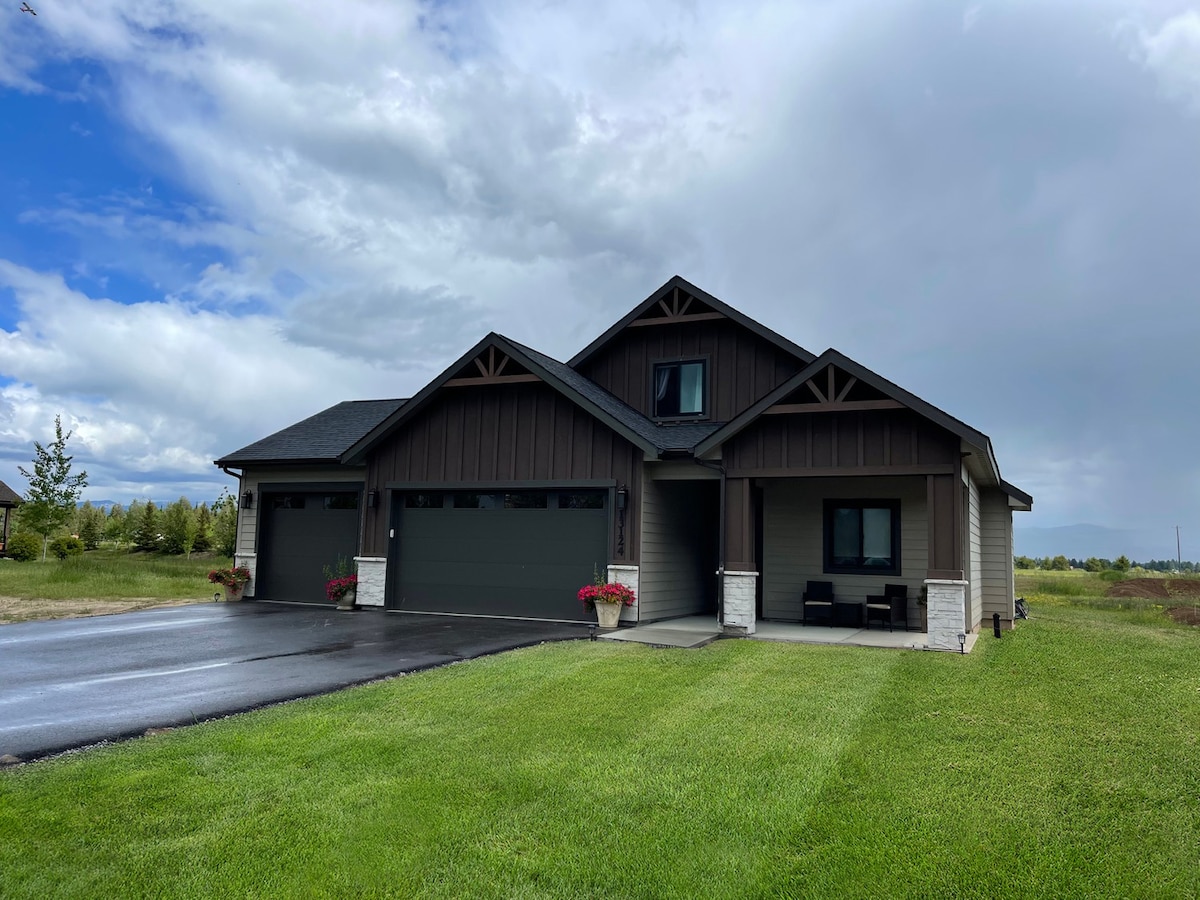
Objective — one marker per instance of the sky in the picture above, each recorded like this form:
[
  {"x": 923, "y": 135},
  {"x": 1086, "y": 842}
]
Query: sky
[{"x": 218, "y": 219}]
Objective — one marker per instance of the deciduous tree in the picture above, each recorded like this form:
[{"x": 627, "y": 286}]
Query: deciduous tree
[{"x": 53, "y": 490}]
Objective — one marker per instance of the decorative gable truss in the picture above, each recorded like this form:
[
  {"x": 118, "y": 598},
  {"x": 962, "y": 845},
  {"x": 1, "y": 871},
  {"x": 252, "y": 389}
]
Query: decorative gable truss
[
  {"x": 491, "y": 366},
  {"x": 677, "y": 307},
  {"x": 833, "y": 390}
]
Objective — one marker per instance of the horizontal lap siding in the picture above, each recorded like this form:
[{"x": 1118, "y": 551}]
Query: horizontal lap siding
[
  {"x": 975, "y": 560},
  {"x": 248, "y": 518},
  {"x": 793, "y": 540},
  {"x": 996, "y": 568},
  {"x": 503, "y": 433},
  {"x": 669, "y": 578},
  {"x": 743, "y": 367}
]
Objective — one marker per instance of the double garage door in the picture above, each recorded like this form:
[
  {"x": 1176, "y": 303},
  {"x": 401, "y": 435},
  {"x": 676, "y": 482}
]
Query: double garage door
[
  {"x": 301, "y": 532},
  {"x": 517, "y": 553}
]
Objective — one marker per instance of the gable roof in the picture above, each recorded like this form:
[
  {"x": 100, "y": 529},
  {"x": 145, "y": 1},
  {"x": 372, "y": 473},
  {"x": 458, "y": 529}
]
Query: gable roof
[
  {"x": 320, "y": 438},
  {"x": 626, "y": 421},
  {"x": 709, "y": 300},
  {"x": 963, "y": 431},
  {"x": 9, "y": 497}
]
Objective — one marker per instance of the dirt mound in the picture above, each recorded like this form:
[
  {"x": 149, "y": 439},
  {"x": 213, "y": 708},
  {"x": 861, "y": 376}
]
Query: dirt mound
[
  {"x": 1184, "y": 587},
  {"x": 1185, "y": 615},
  {"x": 1150, "y": 588}
]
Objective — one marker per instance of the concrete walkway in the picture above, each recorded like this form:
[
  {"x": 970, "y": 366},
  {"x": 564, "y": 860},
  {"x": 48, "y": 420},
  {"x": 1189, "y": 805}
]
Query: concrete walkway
[{"x": 696, "y": 631}]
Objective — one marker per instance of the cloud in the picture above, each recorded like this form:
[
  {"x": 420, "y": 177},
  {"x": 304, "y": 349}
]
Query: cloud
[{"x": 1172, "y": 53}]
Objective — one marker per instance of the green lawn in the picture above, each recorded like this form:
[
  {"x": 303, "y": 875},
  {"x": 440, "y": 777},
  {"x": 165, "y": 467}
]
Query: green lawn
[
  {"x": 1059, "y": 761},
  {"x": 111, "y": 575}
]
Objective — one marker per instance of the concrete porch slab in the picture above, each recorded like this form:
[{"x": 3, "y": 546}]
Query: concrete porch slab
[
  {"x": 696, "y": 631},
  {"x": 655, "y": 636}
]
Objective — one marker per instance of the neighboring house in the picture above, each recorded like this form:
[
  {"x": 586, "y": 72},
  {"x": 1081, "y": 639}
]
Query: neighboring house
[
  {"x": 9, "y": 500},
  {"x": 690, "y": 452}
]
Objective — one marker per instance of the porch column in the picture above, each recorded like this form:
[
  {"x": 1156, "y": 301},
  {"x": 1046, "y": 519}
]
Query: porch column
[
  {"x": 628, "y": 576},
  {"x": 947, "y": 601},
  {"x": 944, "y": 510},
  {"x": 372, "y": 579},
  {"x": 250, "y": 561},
  {"x": 739, "y": 589}
]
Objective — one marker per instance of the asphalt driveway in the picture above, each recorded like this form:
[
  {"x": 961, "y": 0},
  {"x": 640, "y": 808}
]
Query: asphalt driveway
[{"x": 74, "y": 682}]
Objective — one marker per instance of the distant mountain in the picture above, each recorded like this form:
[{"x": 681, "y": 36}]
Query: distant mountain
[
  {"x": 101, "y": 504},
  {"x": 1082, "y": 541}
]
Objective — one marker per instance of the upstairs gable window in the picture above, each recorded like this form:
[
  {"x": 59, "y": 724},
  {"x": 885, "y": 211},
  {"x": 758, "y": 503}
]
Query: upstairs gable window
[{"x": 679, "y": 389}]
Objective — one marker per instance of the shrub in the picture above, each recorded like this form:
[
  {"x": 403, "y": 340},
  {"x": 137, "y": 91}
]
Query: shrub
[
  {"x": 25, "y": 546},
  {"x": 67, "y": 545},
  {"x": 1111, "y": 575}
]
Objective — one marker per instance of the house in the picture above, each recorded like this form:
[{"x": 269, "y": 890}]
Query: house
[
  {"x": 688, "y": 451},
  {"x": 9, "y": 500}
]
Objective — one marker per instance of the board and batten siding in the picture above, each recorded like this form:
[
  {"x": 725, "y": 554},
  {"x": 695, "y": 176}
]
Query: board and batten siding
[
  {"x": 996, "y": 562},
  {"x": 793, "y": 540},
  {"x": 672, "y": 568},
  {"x": 974, "y": 564},
  {"x": 503, "y": 435},
  {"x": 248, "y": 519},
  {"x": 742, "y": 367}
]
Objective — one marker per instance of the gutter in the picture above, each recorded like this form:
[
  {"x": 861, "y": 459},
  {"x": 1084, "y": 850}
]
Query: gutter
[{"x": 720, "y": 469}]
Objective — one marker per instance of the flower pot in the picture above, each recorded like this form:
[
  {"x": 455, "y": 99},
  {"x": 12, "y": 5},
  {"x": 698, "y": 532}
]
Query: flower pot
[
  {"x": 608, "y": 614},
  {"x": 232, "y": 592},
  {"x": 347, "y": 600}
]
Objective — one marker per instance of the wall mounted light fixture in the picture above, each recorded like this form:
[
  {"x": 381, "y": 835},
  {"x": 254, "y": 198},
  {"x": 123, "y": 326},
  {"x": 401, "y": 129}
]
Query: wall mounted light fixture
[
  {"x": 373, "y": 498},
  {"x": 247, "y": 499}
]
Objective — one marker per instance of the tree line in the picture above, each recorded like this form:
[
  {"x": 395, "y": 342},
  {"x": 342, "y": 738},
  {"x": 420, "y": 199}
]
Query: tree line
[{"x": 1098, "y": 564}]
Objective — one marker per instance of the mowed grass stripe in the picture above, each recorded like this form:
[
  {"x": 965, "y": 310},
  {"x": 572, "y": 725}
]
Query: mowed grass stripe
[{"x": 1058, "y": 761}]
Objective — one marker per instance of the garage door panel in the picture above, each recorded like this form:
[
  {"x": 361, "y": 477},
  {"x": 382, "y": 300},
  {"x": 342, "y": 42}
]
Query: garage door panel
[
  {"x": 296, "y": 543},
  {"x": 505, "y": 562}
]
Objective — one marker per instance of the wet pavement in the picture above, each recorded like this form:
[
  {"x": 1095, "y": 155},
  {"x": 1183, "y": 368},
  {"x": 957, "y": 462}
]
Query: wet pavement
[{"x": 75, "y": 682}]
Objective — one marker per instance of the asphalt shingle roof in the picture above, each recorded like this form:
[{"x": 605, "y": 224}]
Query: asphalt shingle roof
[
  {"x": 8, "y": 497},
  {"x": 320, "y": 438}
]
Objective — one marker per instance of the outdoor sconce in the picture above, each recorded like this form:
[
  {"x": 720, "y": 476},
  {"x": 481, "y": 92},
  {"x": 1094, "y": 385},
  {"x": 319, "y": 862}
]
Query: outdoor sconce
[
  {"x": 622, "y": 496},
  {"x": 373, "y": 498},
  {"x": 247, "y": 499}
]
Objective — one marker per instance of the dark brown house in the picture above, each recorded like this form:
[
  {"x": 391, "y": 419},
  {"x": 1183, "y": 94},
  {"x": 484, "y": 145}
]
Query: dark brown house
[
  {"x": 9, "y": 500},
  {"x": 688, "y": 451}
]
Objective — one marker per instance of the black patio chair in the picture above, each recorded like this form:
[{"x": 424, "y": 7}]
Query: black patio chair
[
  {"x": 817, "y": 603},
  {"x": 890, "y": 607}
]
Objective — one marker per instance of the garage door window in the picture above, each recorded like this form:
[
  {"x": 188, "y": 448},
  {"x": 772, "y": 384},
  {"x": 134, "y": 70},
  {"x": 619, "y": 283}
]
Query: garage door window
[
  {"x": 525, "y": 500},
  {"x": 288, "y": 501},
  {"x": 478, "y": 501},
  {"x": 581, "y": 500},
  {"x": 341, "y": 501},
  {"x": 424, "y": 501}
]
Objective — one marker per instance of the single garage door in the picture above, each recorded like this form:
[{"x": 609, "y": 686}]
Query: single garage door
[
  {"x": 521, "y": 553},
  {"x": 301, "y": 533}
]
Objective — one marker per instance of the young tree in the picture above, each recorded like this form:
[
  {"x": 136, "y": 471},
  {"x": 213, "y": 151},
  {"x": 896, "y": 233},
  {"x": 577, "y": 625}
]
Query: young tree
[
  {"x": 1121, "y": 563},
  {"x": 178, "y": 528},
  {"x": 1093, "y": 565},
  {"x": 114, "y": 525},
  {"x": 53, "y": 490},
  {"x": 1060, "y": 564},
  {"x": 146, "y": 537},
  {"x": 225, "y": 518},
  {"x": 1023, "y": 562},
  {"x": 204, "y": 526},
  {"x": 90, "y": 525}
]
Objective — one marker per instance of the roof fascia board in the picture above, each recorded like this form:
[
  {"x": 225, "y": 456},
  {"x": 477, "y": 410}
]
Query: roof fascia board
[
  {"x": 357, "y": 453},
  {"x": 720, "y": 306}
]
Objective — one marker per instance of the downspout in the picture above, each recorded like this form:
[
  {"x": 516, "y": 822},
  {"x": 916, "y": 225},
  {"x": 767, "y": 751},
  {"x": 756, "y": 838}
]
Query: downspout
[{"x": 718, "y": 467}]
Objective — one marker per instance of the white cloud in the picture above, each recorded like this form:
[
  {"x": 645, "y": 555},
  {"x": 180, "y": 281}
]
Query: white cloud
[{"x": 1172, "y": 53}]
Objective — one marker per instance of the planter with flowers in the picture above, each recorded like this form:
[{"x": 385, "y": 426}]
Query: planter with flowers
[
  {"x": 232, "y": 581},
  {"x": 607, "y": 600},
  {"x": 341, "y": 584}
]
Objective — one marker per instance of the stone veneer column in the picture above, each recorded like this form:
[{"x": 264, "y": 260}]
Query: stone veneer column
[
  {"x": 250, "y": 561},
  {"x": 628, "y": 576},
  {"x": 947, "y": 606},
  {"x": 739, "y": 602},
  {"x": 372, "y": 580}
]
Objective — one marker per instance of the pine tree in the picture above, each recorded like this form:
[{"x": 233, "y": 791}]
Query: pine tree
[
  {"x": 53, "y": 490},
  {"x": 114, "y": 525},
  {"x": 146, "y": 537},
  {"x": 91, "y": 526}
]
